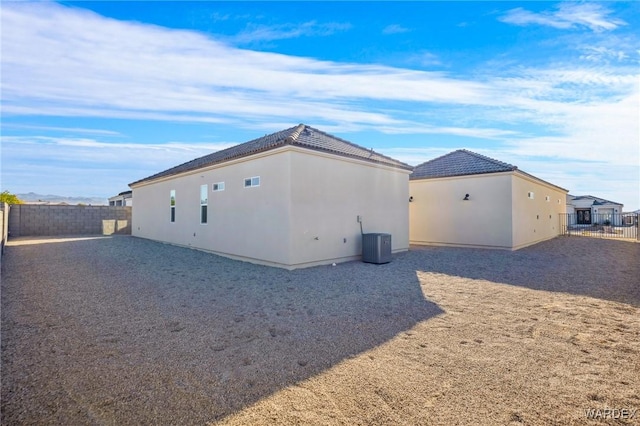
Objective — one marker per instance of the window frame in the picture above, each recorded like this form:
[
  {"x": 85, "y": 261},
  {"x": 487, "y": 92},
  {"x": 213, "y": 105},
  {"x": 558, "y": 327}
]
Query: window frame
[
  {"x": 204, "y": 204},
  {"x": 251, "y": 180},
  {"x": 172, "y": 206},
  {"x": 220, "y": 187}
]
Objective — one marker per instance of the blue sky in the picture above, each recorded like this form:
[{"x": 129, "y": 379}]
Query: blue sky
[{"x": 96, "y": 95}]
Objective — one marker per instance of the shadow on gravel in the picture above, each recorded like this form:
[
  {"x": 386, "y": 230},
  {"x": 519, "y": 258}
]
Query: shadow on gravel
[
  {"x": 128, "y": 331},
  {"x": 600, "y": 268}
]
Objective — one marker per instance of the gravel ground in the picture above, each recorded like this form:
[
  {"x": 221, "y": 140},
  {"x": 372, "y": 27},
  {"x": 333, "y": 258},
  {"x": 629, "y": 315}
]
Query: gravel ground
[{"x": 121, "y": 330}]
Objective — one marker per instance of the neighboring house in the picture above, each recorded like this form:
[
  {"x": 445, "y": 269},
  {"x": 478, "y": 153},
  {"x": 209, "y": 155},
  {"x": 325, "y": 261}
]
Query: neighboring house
[
  {"x": 468, "y": 199},
  {"x": 590, "y": 210},
  {"x": 122, "y": 199},
  {"x": 631, "y": 218},
  {"x": 290, "y": 199}
]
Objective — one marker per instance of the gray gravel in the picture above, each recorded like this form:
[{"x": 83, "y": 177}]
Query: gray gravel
[{"x": 122, "y": 330}]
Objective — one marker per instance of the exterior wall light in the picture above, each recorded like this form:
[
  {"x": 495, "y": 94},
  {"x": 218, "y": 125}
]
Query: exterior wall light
[
  {"x": 466, "y": 197},
  {"x": 411, "y": 199}
]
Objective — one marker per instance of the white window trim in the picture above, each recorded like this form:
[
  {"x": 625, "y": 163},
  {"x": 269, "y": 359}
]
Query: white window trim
[
  {"x": 252, "y": 185},
  {"x": 220, "y": 187},
  {"x": 531, "y": 195}
]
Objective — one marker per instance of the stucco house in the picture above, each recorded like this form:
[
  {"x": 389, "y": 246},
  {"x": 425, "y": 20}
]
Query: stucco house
[
  {"x": 590, "y": 210},
  {"x": 124, "y": 198},
  {"x": 295, "y": 198},
  {"x": 470, "y": 200}
]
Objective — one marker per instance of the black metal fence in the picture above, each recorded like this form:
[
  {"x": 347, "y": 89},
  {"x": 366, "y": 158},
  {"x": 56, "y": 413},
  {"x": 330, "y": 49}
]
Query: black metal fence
[{"x": 623, "y": 225}]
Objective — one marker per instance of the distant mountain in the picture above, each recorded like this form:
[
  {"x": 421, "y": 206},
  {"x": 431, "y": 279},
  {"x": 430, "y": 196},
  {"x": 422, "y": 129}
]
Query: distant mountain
[{"x": 32, "y": 197}]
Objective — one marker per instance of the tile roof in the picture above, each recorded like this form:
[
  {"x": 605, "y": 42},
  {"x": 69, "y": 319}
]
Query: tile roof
[
  {"x": 597, "y": 201},
  {"x": 301, "y": 135},
  {"x": 459, "y": 163}
]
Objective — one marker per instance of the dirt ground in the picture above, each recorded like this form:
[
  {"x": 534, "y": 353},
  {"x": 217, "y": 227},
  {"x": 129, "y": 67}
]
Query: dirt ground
[{"x": 126, "y": 331}]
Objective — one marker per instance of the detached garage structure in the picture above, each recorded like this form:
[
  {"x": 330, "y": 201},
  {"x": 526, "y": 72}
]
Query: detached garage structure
[
  {"x": 467, "y": 199},
  {"x": 292, "y": 199}
]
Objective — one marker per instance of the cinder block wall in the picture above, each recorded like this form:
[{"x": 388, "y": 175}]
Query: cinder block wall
[{"x": 45, "y": 220}]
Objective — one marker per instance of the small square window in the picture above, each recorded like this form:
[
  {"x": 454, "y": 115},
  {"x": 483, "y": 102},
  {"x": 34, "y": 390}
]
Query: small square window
[
  {"x": 252, "y": 181},
  {"x": 547, "y": 198},
  {"x": 219, "y": 186},
  {"x": 530, "y": 195}
]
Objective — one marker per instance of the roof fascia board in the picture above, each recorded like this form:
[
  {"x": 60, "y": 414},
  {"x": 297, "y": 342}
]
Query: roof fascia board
[{"x": 475, "y": 175}]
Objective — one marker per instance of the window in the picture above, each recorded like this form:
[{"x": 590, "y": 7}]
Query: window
[
  {"x": 204, "y": 201},
  {"x": 530, "y": 195},
  {"x": 172, "y": 204},
  {"x": 252, "y": 181},
  {"x": 547, "y": 198},
  {"x": 218, "y": 186}
]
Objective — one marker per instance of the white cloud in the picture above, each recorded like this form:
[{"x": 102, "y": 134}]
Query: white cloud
[
  {"x": 88, "y": 166},
  {"x": 74, "y": 130},
  {"x": 69, "y": 62},
  {"x": 93, "y": 64},
  {"x": 414, "y": 156},
  {"x": 602, "y": 54},
  {"x": 567, "y": 15},
  {"x": 20, "y": 148},
  {"x": 395, "y": 29},
  {"x": 259, "y": 33}
]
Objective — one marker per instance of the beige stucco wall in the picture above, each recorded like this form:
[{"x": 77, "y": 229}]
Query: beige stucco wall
[
  {"x": 499, "y": 213},
  {"x": 328, "y": 194},
  {"x": 247, "y": 223},
  {"x": 535, "y": 220},
  {"x": 305, "y": 207},
  {"x": 439, "y": 215}
]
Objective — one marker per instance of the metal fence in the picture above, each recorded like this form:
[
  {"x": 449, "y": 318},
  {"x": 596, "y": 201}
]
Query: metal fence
[{"x": 623, "y": 225}]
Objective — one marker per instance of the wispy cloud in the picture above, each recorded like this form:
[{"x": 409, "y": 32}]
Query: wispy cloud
[
  {"x": 88, "y": 150},
  {"x": 60, "y": 61},
  {"x": 73, "y": 130},
  {"x": 602, "y": 54},
  {"x": 260, "y": 33},
  {"x": 567, "y": 15},
  {"x": 80, "y": 163},
  {"x": 424, "y": 59},
  {"x": 395, "y": 29},
  {"x": 186, "y": 76}
]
